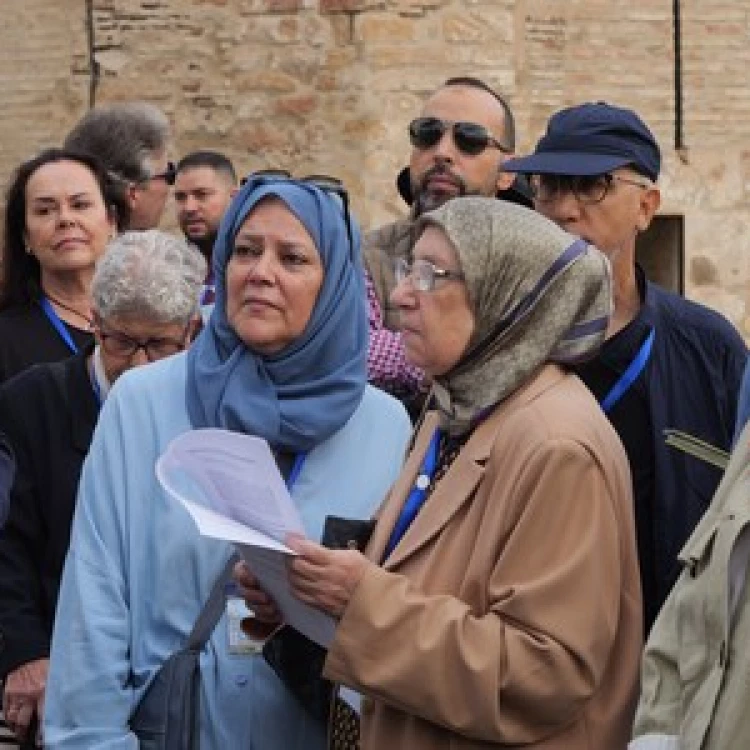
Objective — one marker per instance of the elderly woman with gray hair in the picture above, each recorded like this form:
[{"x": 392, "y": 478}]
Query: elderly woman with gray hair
[
  {"x": 145, "y": 296},
  {"x": 498, "y": 603}
]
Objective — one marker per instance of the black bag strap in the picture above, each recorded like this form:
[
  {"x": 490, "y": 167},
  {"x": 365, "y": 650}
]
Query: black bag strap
[{"x": 212, "y": 610}]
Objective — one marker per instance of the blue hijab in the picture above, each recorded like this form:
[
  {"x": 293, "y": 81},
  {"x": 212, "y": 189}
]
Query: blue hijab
[{"x": 298, "y": 397}]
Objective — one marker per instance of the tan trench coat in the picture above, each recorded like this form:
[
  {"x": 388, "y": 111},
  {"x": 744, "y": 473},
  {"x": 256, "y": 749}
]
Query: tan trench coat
[{"x": 509, "y": 614}]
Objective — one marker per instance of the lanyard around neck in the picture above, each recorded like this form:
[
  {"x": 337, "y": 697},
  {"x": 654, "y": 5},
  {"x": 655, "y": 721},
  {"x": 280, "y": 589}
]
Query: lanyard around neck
[
  {"x": 57, "y": 324},
  {"x": 417, "y": 495},
  {"x": 631, "y": 374},
  {"x": 299, "y": 461}
]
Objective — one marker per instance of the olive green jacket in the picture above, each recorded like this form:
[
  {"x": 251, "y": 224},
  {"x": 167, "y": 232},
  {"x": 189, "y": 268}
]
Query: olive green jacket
[{"x": 695, "y": 688}]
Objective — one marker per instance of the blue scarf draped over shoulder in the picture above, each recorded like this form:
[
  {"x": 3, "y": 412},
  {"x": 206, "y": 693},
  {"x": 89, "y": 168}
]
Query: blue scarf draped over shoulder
[{"x": 301, "y": 395}]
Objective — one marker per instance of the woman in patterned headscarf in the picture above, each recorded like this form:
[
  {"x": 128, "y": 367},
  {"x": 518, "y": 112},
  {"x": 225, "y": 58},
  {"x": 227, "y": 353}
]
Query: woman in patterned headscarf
[{"x": 498, "y": 603}]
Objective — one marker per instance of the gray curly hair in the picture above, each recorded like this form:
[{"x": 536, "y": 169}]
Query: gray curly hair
[{"x": 149, "y": 274}]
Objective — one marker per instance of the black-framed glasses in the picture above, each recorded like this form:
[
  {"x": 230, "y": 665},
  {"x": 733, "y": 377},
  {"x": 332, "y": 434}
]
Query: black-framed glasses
[
  {"x": 326, "y": 183},
  {"x": 546, "y": 188},
  {"x": 470, "y": 137},
  {"x": 423, "y": 273},
  {"x": 169, "y": 175},
  {"x": 118, "y": 344}
]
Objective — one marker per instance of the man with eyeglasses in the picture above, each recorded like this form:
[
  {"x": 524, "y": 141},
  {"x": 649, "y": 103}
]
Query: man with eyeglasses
[
  {"x": 668, "y": 363},
  {"x": 131, "y": 140},
  {"x": 459, "y": 143}
]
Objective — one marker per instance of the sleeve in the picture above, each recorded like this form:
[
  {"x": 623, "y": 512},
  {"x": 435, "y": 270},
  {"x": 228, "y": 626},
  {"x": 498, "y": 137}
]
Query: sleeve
[
  {"x": 548, "y": 631},
  {"x": 89, "y": 695},
  {"x": 659, "y": 711},
  {"x": 24, "y": 630}
]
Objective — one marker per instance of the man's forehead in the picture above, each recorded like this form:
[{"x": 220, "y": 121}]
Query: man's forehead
[
  {"x": 465, "y": 103},
  {"x": 202, "y": 176}
]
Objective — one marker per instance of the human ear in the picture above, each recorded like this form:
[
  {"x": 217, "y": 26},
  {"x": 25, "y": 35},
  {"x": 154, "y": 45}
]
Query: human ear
[
  {"x": 650, "y": 201},
  {"x": 504, "y": 179}
]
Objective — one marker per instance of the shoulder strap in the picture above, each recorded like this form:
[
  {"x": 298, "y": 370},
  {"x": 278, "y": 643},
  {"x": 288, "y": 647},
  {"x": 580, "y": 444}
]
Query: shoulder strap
[{"x": 213, "y": 608}]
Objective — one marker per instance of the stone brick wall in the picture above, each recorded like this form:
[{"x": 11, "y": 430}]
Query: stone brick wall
[{"x": 329, "y": 85}]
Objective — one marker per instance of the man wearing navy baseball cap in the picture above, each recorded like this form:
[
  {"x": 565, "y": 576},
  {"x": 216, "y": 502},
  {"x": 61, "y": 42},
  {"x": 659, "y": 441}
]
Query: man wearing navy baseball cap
[{"x": 667, "y": 362}]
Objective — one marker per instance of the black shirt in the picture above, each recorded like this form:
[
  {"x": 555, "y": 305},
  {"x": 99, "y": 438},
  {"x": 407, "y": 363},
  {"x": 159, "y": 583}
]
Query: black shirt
[
  {"x": 631, "y": 418},
  {"x": 27, "y": 337}
]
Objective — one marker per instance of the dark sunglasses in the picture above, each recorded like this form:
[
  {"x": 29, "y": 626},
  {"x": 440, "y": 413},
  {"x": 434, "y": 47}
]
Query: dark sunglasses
[
  {"x": 169, "y": 175},
  {"x": 324, "y": 182},
  {"x": 470, "y": 137}
]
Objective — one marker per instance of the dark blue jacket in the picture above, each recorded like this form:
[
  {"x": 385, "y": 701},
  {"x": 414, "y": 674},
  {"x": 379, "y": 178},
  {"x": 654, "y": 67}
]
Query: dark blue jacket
[{"x": 693, "y": 381}]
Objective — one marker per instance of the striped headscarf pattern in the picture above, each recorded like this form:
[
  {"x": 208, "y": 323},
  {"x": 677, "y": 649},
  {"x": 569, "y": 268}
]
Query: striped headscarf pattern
[{"x": 538, "y": 295}]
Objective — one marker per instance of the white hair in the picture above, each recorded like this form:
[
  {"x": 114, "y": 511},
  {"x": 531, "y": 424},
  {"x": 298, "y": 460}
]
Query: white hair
[{"x": 149, "y": 274}]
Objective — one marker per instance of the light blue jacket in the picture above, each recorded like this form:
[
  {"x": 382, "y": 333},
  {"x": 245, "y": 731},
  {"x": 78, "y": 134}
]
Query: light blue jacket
[{"x": 138, "y": 573}]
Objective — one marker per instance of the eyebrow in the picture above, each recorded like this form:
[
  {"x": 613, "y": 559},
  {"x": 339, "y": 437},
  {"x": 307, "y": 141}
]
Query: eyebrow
[
  {"x": 250, "y": 236},
  {"x": 52, "y": 199}
]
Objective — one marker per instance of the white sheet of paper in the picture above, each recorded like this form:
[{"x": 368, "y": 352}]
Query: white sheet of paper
[
  {"x": 232, "y": 488},
  {"x": 233, "y": 474}
]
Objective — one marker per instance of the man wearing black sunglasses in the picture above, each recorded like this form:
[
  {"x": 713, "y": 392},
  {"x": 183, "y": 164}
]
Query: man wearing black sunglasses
[
  {"x": 131, "y": 140},
  {"x": 459, "y": 143},
  {"x": 668, "y": 363}
]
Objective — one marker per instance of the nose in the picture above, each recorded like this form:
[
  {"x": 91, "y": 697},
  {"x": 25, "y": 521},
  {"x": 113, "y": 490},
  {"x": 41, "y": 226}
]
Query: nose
[
  {"x": 65, "y": 217},
  {"x": 139, "y": 357},
  {"x": 445, "y": 148},
  {"x": 403, "y": 294},
  {"x": 563, "y": 209},
  {"x": 190, "y": 204},
  {"x": 262, "y": 269}
]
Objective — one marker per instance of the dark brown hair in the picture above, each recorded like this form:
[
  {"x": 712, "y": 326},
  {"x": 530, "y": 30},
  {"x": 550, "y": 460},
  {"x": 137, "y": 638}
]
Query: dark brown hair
[{"x": 20, "y": 271}]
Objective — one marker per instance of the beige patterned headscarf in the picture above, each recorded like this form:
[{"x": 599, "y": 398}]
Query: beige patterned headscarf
[{"x": 538, "y": 294}]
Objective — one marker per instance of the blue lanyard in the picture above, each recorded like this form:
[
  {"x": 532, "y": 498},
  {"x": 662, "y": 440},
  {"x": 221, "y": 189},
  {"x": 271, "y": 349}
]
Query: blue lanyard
[
  {"x": 296, "y": 470},
  {"x": 96, "y": 388},
  {"x": 57, "y": 324},
  {"x": 626, "y": 380},
  {"x": 418, "y": 494}
]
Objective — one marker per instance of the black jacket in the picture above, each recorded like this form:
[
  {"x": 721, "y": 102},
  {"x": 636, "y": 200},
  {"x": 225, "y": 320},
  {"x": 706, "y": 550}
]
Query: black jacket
[{"x": 48, "y": 413}]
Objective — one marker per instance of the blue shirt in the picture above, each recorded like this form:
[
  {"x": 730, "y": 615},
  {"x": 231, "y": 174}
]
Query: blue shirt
[{"x": 138, "y": 573}]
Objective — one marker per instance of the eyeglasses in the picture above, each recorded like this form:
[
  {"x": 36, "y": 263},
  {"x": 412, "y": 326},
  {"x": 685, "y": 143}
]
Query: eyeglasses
[
  {"x": 469, "y": 137},
  {"x": 546, "y": 188},
  {"x": 324, "y": 182},
  {"x": 118, "y": 344},
  {"x": 423, "y": 273},
  {"x": 169, "y": 175}
]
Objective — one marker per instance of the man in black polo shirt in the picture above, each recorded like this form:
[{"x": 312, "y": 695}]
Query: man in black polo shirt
[{"x": 667, "y": 362}]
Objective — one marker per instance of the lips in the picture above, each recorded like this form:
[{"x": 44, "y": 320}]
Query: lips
[
  {"x": 256, "y": 303},
  {"x": 68, "y": 242},
  {"x": 442, "y": 182}
]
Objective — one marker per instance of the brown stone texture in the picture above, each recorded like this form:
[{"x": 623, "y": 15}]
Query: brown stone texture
[{"x": 330, "y": 85}]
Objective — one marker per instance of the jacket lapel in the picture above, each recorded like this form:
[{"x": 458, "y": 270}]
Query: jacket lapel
[{"x": 458, "y": 485}]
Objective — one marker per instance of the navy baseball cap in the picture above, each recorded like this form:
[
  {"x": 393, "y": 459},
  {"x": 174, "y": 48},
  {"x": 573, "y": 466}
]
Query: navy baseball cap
[{"x": 592, "y": 139}]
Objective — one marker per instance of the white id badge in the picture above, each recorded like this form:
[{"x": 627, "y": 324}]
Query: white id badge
[{"x": 240, "y": 643}]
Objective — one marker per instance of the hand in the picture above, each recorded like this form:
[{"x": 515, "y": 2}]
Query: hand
[
  {"x": 267, "y": 617},
  {"x": 24, "y": 696},
  {"x": 322, "y": 577}
]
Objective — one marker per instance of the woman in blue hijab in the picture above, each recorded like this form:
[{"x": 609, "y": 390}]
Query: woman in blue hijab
[{"x": 283, "y": 357}]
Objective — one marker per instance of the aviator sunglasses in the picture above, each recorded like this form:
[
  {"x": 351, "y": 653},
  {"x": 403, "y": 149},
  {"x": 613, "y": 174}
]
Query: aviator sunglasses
[{"x": 469, "y": 137}]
